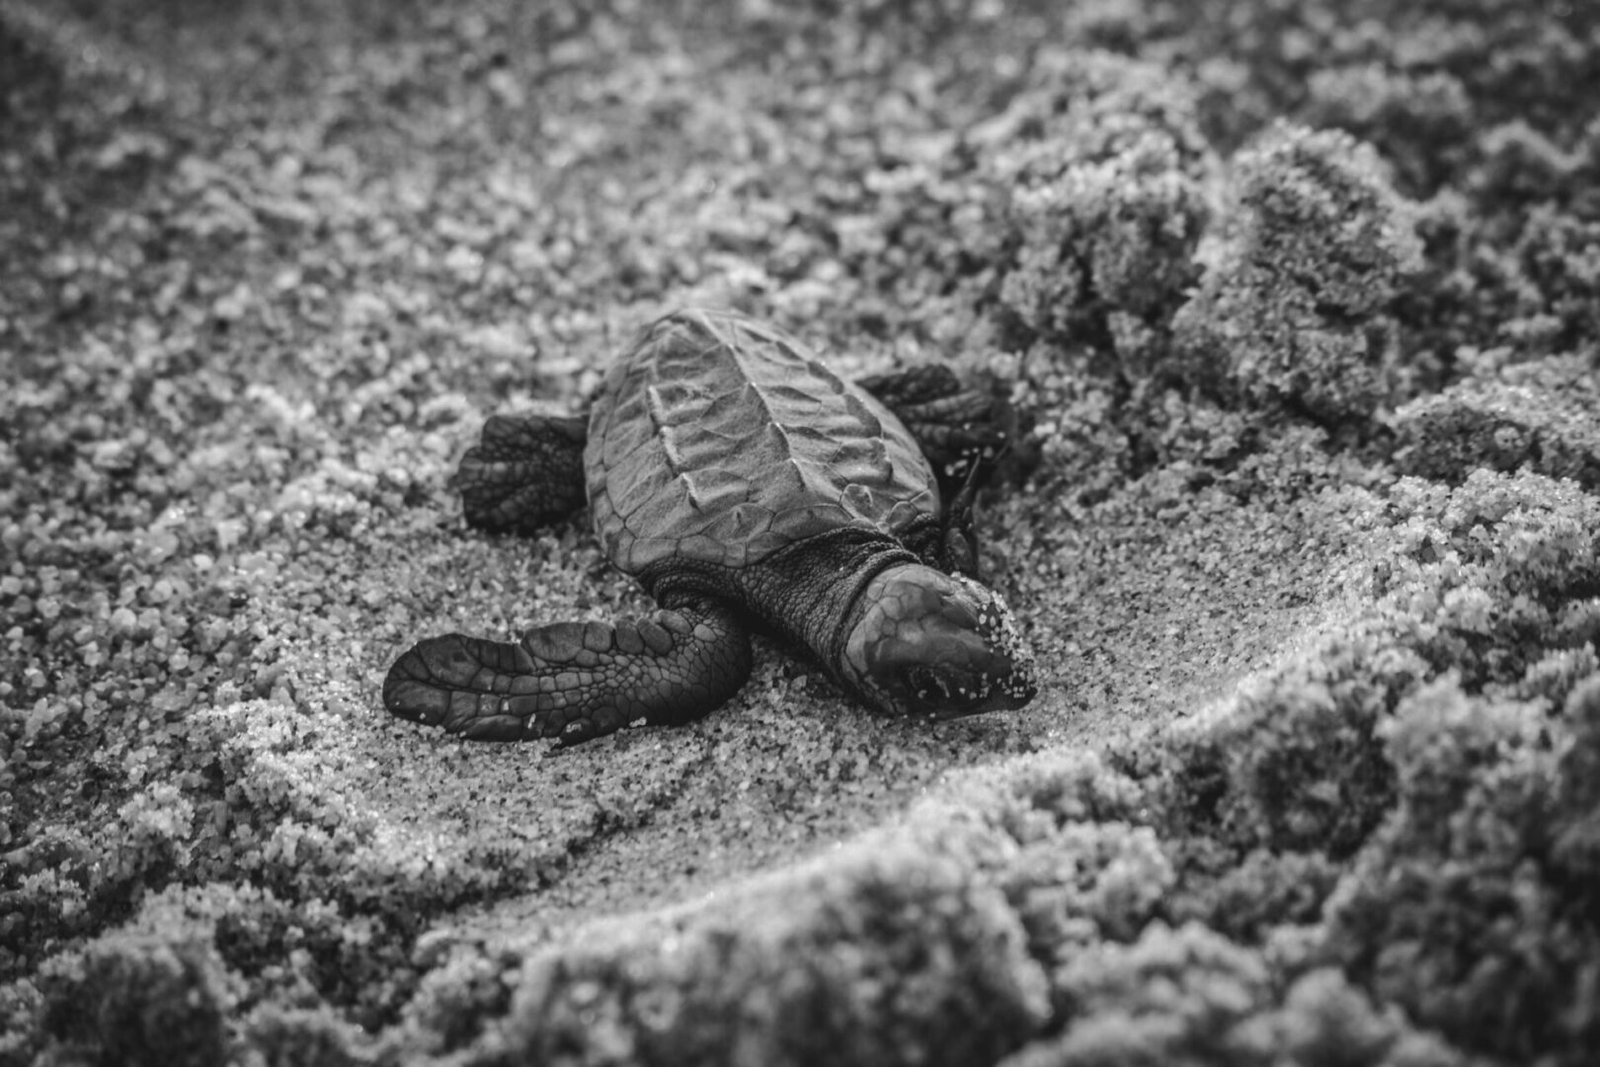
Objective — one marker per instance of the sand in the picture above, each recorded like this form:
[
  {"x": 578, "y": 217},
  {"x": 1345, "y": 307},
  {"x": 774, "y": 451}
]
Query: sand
[{"x": 1297, "y": 302}]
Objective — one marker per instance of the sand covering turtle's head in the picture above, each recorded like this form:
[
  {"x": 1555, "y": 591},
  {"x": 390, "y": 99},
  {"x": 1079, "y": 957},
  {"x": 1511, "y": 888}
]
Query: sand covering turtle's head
[{"x": 938, "y": 645}]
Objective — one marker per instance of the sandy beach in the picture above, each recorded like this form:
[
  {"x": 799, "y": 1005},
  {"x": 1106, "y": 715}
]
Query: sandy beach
[{"x": 1298, "y": 303}]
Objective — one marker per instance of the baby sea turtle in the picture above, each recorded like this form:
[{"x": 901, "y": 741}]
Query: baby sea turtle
[{"x": 746, "y": 487}]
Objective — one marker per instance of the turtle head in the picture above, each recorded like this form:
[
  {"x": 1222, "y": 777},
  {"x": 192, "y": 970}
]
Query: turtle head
[{"x": 931, "y": 644}]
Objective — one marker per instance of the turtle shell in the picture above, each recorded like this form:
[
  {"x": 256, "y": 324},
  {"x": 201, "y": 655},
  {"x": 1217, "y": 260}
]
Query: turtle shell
[{"x": 722, "y": 440}]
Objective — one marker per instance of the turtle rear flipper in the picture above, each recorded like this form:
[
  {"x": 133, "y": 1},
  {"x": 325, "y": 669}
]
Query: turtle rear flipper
[
  {"x": 525, "y": 473},
  {"x": 574, "y": 681}
]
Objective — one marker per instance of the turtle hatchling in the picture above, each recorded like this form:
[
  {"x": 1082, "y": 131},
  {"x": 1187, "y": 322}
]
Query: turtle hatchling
[{"x": 748, "y": 489}]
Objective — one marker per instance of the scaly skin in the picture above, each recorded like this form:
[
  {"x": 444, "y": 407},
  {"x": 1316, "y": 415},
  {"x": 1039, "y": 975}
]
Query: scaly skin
[
  {"x": 900, "y": 636},
  {"x": 525, "y": 473},
  {"x": 952, "y": 423},
  {"x": 932, "y": 644},
  {"x": 574, "y": 681}
]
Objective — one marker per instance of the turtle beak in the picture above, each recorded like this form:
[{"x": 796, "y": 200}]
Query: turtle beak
[
  {"x": 932, "y": 645},
  {"x": 941, "y": 696}
]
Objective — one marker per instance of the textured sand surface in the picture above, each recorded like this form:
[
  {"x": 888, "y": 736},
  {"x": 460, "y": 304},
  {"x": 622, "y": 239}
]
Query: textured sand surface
[{"x": 1300, "y": 302}]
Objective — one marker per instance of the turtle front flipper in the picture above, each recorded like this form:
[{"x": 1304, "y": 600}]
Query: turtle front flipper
[
  {"x": 526, "y": 472},
  {"x": 574, "y": 681},
  {"x": 951, "y": 421},
  {"x": 948, "y": 542}
]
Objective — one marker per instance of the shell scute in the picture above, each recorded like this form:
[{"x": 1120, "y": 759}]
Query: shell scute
[{"x": 719, "y": 439}]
